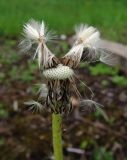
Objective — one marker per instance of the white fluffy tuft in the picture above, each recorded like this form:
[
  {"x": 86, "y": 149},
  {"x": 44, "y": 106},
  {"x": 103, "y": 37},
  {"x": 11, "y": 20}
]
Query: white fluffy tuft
[
  {"x": 34, "y": 30},
  {"x": 87, "y": 47},
  {"x": 35, "y": 106},
  {"x": 87, "y": 35},
  {"x": 36, "y": 33}
]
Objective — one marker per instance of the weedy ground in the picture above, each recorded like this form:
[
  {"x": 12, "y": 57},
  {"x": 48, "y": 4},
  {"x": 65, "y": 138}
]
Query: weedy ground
[{"x": 24, "y": 135}]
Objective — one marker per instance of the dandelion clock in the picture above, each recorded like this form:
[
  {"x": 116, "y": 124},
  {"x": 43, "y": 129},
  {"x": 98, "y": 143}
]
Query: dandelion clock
[{"x": 59, "y": 73}]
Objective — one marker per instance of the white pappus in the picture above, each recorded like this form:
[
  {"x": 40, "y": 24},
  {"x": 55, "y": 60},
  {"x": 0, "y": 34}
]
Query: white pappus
[
  {"x": 87, "y": 47},
  {"x": 36, "y": 33}
]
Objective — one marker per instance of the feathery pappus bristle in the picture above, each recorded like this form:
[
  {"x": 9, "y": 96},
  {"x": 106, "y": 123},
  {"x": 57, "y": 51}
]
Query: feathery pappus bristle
[
  {"x": 87, "y": 47},
  {"x": 34, "y": 30},
  {"x": 35, "y": 106},
  {"x": 36, "y": 33},
  {"x": 89, "y": 105},
  {"x": 87, "y": 35}
]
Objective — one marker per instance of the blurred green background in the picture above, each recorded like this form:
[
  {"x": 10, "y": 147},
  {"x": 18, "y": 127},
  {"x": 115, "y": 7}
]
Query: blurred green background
[{"x": 109, "y": 16}]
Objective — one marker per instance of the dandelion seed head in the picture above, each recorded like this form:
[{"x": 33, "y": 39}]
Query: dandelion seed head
[{"x": 59, "y": 73}]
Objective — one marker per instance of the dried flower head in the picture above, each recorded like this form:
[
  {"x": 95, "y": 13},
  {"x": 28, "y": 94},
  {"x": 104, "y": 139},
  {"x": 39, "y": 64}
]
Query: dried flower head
[{"x": 59, "y": 73}]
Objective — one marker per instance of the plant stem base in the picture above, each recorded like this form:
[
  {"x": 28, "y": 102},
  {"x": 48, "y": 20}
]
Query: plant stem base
[{"x": 57, "y": 136}]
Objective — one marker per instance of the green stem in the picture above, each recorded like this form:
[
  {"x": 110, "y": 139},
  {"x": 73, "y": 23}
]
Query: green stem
[{"x": 57, "y": 137}]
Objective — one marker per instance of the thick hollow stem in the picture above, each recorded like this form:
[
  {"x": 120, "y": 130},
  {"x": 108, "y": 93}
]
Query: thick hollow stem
[{"x": 57, "y": 136}]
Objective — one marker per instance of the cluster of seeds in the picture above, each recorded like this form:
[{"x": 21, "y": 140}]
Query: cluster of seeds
[{"x": 60, "y": 72}]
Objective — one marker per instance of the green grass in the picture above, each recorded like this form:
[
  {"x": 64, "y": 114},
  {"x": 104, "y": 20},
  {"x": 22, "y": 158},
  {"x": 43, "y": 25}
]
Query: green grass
[
  {"x": 120, "y": 80},
  {"x": 61, "y": 15},
  {"x": 102, "y": 69},
  {"x": 101, "y": 153}
]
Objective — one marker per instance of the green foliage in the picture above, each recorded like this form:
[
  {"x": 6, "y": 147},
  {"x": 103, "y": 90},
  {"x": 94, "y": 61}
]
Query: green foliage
[
  {"x": 64, "y": 46},
  {"x": 104, "y": 83},
  {"x": 8, "y": 56},
  {"x": 63, "y": 15},
  {"x": 2, "y": 141},
  {"x": 23, "y": 74},
  {"x": 102, "y": 69},
  {"x": 28, "y": 75},
  {"x": 84, "y": 65},
  {"x": 14, "y": 73},
  {"x": 102, "y": 154},
  {"x": 86, "y": 143},
  {"x": 2, "y": 76},
  {"x": 3, "y": 112},
  {"x": 120, "y": 80},
  {"x": 12, "y": 67}
]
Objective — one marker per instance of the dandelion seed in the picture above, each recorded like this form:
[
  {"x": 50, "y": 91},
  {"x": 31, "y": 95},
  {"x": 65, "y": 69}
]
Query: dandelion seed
[
  {"x": 34, "y": 106},
  {"x": 87, "y": 47},
  {"x": 88, "y": 105},
  {"x": 43, "y": 91},
  {"x": 36, "y": 33}
]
